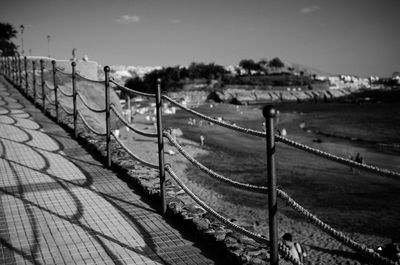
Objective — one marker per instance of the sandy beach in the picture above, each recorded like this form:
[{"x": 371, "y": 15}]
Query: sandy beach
[{"x": 329, "y": 190}]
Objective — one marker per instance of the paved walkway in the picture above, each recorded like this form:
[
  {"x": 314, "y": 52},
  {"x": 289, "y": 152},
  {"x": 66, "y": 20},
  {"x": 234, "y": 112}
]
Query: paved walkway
[{"x": 58, "y": 205}]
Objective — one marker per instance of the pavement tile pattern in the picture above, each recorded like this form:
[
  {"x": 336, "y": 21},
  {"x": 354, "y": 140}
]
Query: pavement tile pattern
[{"x": 59, "y": 205}]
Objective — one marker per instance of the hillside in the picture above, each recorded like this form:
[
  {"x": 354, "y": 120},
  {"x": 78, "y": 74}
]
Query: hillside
[{"x": 307, "y": 69}]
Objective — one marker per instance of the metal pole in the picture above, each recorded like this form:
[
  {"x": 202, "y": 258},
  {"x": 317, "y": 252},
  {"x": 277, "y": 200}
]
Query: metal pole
[
  {"x": 160, "y": 147},
  {"x": 269, "y": 115},
  {"x": 8, "y": 67},
  {"x": 11, "y": 69},
  {"x": 55, "y": 88},
  {"x": 75, "y": 111},
  {"x": 14, "y": 59},
  {"x": 22, "y": 38},
  {"x": 20, "y": 72},
  {"x": 26, "y": 75},
  {"x": 42, "y": 77},
  {"x": 128, "y": 101},
  {"x": 14, "y": 70},
  {"x": 48, "y": 45},
  {"x": 108, "y": 126},
  {"x": 34, "y": 80},
  {"x": 6, "y": 64}
]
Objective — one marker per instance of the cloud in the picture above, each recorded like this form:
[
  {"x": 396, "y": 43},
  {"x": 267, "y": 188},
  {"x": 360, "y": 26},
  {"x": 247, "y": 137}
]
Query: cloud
[
  {"x": 309, "y": 9},
  {"x": 127, "y": 19},
  {"x": 252, "y": 29}
]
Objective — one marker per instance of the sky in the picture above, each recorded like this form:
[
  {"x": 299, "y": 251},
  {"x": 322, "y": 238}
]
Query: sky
[{"x": 360, "y": 37}]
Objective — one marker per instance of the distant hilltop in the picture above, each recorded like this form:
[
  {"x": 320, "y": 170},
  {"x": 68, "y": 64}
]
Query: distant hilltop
[
  {"x": 262, "y": 74},
  {"x": 123, "y": 72}
]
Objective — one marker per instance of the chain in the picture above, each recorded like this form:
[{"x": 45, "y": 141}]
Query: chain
[
  {"x": 87, "y": 104},
  {"x": 211, "y": 173},
  {"x": 133, "y": 155},
  {"x": 153, "y": 135},
  {"x": 133, "y": 91},
  {"x": 223, "y": 124},
  {"x": 348, "y": 162},
  {"x": 90, "y": 127}
]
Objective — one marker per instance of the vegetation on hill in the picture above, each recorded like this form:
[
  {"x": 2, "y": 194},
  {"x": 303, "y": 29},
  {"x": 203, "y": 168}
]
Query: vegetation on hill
[
  {"x": 213, "y": 76},
  {"x": 7, "y": 33}
]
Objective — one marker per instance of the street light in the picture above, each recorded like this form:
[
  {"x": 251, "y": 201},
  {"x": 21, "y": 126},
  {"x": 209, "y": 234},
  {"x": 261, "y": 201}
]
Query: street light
[
  {"x": 48, "y": 45},
  {"x": 22, "y": 38}
]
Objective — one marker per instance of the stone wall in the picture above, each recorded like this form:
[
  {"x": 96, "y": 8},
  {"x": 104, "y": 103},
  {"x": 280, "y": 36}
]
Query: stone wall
[
  {"x": 87, "y": 69},
  {"x": 245, "y": 96}
]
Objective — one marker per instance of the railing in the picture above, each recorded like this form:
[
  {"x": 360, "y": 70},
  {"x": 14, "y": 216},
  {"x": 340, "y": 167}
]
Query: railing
[{"x": 25, "y": 80}]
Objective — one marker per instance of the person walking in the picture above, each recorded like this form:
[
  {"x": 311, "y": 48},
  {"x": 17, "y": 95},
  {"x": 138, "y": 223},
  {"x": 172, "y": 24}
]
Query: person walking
[{"x": 201, "y": 140}]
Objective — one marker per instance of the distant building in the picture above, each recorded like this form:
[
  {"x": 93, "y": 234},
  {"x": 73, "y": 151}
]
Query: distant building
[{"x": 396, "y": 76}]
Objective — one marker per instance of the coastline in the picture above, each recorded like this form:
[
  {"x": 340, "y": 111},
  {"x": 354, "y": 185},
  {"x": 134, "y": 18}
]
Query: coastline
[{"x": 321, "y": 247}]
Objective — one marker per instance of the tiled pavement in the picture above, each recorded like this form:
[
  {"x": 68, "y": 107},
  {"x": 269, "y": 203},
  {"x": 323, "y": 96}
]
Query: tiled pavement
[{"x": 58, "y": 205}]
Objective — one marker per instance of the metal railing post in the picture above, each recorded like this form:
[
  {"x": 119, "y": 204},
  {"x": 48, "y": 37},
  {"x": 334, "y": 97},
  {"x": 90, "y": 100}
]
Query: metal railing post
[
  {"x": 14, "y": 76},
  {"x": 12, "y": 70},
  {"x": 20, "y": 72},
  {"x": 15, "y": 70},
  {"x": 269, "y": 115},
  {"x": 128, "y": 103},
  {"x": 55, "y": 89},
  {"x": 108, "y": 125},
  {"x": 5, "y": 66},
  {"x": 26, "y": 75},
  {"x": 34, "y": 81},
  {"x": 8, "y": 68},
  {"x": 160, "y": 147},
  {"x": 42, "y": 84},
  {"x": 75, "y": 110}
]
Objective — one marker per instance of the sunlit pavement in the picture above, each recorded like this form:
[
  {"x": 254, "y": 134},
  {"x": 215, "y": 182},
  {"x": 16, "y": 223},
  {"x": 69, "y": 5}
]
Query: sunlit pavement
[{"x": 61, "y": 206}]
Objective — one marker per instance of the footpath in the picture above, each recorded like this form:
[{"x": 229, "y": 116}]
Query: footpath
[{"x": 59, "y": 205}]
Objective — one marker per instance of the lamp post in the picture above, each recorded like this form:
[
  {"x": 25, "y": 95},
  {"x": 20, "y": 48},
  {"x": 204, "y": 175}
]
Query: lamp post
[
  {"x": 22, "y": 38},
  {"x": 48, "y": 45}
]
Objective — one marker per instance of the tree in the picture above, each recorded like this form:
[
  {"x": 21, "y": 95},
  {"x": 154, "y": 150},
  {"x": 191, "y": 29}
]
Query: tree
[
  {"x": 276, "y": 63},
  {"x": 249, "y": 65},
  {"x": 7, "y": 32},
  {"x": 135, "y": 83},
  {"x": 207, "y": 71}
]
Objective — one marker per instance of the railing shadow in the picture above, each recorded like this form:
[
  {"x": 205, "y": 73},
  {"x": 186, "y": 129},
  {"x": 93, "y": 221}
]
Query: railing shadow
[{"x": 33, "y": 254}]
